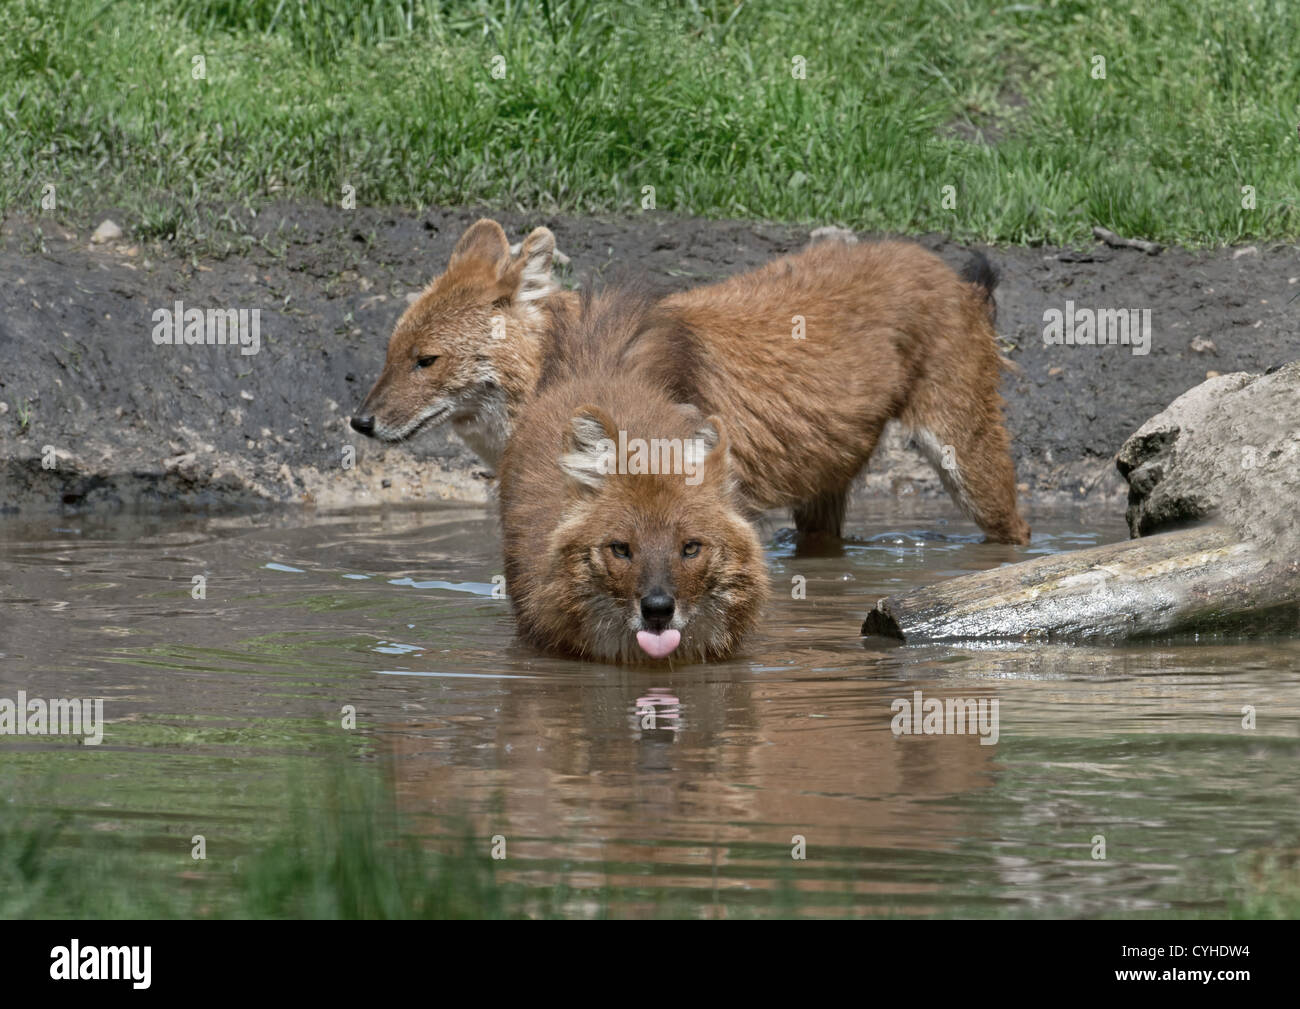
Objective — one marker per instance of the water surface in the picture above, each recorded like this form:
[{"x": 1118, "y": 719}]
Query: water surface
[{"x": 688, "y": 785}]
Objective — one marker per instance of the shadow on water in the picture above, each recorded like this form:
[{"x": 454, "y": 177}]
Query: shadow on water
[{"x": 681, "y": 790}]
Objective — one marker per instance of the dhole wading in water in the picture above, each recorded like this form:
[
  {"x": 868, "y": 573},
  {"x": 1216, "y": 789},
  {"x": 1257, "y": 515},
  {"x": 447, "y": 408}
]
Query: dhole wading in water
[
  {"x": 888, "y": 333},
  {"x": 613, "y": 557}
]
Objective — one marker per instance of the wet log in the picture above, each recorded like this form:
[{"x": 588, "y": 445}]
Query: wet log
[{"x": 1194, "y": 580}]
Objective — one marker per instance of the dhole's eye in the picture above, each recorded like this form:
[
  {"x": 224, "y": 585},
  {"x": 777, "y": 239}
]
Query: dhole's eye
[
  {"x": 424, "y": 362},
  {"x": 691, "y": 549},
  {"x": 621, "y": 550}
]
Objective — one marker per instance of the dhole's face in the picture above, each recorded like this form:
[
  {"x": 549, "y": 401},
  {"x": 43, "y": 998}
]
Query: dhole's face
[
  {"x": 439, "y": 367},
  {"x": 659, "y": 566},
  {"x": 654, "y": 589},
  {"x": 447, "y": 355}
]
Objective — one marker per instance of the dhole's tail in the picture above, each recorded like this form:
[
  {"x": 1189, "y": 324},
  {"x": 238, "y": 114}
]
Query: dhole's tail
[
  {"x": 983, "y": 276},
  {"x": 979, "y": 272}
]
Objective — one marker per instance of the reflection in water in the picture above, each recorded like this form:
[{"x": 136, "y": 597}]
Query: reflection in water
[{"x": 694, "y": 782}]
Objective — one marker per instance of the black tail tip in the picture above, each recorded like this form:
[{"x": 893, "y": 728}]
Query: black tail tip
[{"x": 980, "y": 272}]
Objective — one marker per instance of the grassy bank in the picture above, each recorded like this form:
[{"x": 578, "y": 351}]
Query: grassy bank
[
  {"x": 338, "y": 854},
  {"x": 398, "y": 99},
  {"x": 339, "y": 851},
  {"x": 337, "y": 848}
]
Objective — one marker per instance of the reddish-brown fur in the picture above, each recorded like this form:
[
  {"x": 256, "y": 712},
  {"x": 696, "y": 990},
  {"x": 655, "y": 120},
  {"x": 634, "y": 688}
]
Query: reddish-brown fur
[
  {"x": 566, "y": 526},
  {"x": 889, "y": 333}
]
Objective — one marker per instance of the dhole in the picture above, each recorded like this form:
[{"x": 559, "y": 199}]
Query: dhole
[
  {"x": 806, "y": 359},
  {"x": 603, "y": 559}
]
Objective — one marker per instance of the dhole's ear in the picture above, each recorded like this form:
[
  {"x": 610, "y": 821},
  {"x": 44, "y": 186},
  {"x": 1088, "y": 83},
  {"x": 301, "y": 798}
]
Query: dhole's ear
[
  {"x": 690, "y": 412},
  {"x": 589, "y": 447},
  {"x": 709, "y": 448},
  {"x": 484, "y": 239},
  {"x": 529, "y": 277}
]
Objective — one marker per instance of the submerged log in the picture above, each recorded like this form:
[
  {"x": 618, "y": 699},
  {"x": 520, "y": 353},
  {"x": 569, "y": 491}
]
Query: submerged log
[{"x": 1194, "y": 580}]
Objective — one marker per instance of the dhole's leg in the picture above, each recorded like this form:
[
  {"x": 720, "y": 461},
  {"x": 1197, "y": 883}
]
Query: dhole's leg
[
  {"x": 820, "y": 519},
  {"x": 822, "y": 515},
  {"x": 966, "y": 441}
]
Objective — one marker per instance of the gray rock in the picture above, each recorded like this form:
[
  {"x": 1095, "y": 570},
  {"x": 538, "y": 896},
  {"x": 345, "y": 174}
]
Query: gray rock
[
  {"x": 106, "y": 232},
  {"x": 1228, "y": 449}
]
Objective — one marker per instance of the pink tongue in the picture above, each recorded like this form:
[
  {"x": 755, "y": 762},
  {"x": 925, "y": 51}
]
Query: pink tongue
[{"x": 658, "y": 645}]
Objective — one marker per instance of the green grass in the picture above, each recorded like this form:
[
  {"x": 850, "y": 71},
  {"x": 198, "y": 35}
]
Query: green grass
[
  {"x": 337, "y": 853},
  {"x": 695, "y": 98},
  {"x": 339, "y": 850}
]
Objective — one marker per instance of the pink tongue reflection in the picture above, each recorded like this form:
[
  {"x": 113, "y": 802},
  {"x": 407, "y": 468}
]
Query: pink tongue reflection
[{"x": 658, "y": 645}]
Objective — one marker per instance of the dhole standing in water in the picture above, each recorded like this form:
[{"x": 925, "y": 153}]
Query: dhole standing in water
[
  {"x": 624, "y": 535},
  {"x": 805, "y": 359}
]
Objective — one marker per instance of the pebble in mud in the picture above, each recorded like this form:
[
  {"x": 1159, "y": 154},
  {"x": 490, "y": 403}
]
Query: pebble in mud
[{"x": 108, "y": 231}]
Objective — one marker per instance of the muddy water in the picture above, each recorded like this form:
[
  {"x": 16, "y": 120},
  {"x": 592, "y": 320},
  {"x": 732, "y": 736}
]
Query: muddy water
[{"x": 689, "y": 785}]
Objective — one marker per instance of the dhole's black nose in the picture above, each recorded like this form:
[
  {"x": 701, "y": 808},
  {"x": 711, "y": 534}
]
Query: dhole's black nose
[
  {"x": 657, "y": 609},
  {"x": 365, "y": 425}
]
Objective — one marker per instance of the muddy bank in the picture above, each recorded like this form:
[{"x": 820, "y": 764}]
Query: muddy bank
[{"x": 94, "y": 415}]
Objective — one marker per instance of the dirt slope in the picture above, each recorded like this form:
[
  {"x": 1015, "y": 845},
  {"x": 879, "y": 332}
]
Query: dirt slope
[{"x": 138, "y": 425}]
